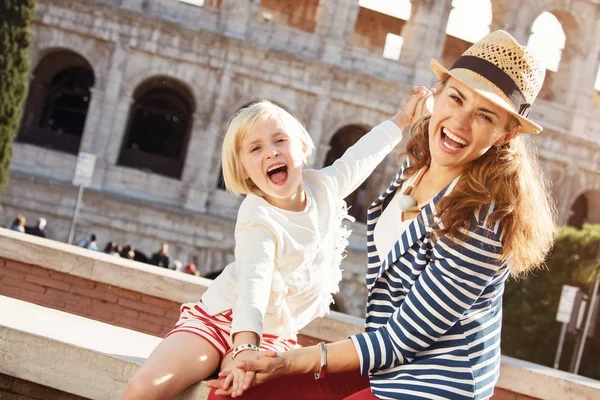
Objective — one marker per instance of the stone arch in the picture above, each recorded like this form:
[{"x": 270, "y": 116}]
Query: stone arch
[
  {"x": 585, "y": 208},
  {"x": 557, "y": 84},
  {"x": 499, "y": 11},
  {"x": 299, "y": 14},
  {"x": 96, "y": 52},
  {"x": 137, "y": 79},
  {"x": 380, "y": 31},
  {"x": 341, "y": 114},
  {"x": 159, "y": 126},
  {"x": 341, "y": 140},
  {"x": 58, "y": 101},
  {"x": 456, "y": 44},
  {"x": 560, "y": 8},
  {"x": 330, "y": 130},
  {"x": 142, "y": 67}
]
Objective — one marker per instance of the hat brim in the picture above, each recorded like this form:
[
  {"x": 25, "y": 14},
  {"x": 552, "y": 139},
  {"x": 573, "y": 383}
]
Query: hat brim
[{"x": 483, "y": 87}]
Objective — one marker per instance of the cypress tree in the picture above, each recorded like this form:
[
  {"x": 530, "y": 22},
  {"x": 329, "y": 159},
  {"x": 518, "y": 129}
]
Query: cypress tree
[{"x": 15, "y": 22}]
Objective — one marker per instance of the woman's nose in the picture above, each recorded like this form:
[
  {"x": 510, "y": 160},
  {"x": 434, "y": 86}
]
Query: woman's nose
[{"x": 464, "y": 118}]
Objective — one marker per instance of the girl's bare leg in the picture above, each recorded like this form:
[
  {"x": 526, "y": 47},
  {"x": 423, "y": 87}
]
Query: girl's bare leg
[{"x": 178, "y": 361}]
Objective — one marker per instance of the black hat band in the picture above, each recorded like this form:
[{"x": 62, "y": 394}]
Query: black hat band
[{"x": 497, "y": 76}]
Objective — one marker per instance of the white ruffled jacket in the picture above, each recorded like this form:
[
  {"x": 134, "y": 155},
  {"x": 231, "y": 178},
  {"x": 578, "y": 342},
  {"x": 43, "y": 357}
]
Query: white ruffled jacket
[{"x": 287, "y": 264}]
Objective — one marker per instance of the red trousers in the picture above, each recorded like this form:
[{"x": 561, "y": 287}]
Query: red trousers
[{"x": 342, "y": 386}]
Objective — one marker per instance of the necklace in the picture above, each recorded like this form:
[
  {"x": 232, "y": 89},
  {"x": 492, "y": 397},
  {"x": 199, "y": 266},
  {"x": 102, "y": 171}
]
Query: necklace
[{"x": 406, "y": 202}]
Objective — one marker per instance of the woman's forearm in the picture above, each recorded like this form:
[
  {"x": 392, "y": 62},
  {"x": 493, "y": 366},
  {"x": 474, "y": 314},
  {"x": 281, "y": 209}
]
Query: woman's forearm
[{"x": 341, "y": 357}]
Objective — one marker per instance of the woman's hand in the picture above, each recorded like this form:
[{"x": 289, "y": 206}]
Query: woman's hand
[
  {"x": 412, "y": 108},
  {"x": 239, "y": 379},
  {"x": 265, "y": 366}
]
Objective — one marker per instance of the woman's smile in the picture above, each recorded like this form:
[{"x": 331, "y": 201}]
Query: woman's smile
[{"x": 451, "y": 142}]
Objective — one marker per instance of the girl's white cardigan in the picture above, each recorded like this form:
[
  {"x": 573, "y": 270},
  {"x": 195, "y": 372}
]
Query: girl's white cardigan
[{"x": 288, "y": 263}]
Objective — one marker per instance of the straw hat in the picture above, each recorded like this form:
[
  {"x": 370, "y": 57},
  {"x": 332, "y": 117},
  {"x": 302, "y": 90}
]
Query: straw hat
[{"x": 502, "y": 71}]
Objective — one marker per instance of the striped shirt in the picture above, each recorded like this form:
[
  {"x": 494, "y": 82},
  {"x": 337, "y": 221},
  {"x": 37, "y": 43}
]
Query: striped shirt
[{"x": 434, "y": 309}]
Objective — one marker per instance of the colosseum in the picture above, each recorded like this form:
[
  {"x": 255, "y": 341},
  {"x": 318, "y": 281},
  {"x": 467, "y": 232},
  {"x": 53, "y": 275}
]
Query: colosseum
[{"x": 147, "y": 85}]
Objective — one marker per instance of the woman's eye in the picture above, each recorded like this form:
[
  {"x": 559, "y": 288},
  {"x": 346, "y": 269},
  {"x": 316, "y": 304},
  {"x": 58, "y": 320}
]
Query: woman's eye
[
  {"x": 485, "y": 117},
  {"x": 456, "y": 98}
]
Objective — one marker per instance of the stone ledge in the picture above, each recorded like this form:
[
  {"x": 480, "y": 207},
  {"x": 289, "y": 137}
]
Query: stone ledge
[
  {"x": 544, "y": 382},
  {"x": 100, "y": 267},
  {"x": 71, "y": 353},
  {"x": 141, "y": 278},
  {"x": 81, "y": 356}
]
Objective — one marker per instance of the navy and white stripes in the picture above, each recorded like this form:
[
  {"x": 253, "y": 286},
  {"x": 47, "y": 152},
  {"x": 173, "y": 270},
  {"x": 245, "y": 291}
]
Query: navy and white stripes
[{"x": 434, "y": 309}]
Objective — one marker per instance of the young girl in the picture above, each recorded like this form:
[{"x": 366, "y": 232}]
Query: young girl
[{"x": 289, "y": 244}]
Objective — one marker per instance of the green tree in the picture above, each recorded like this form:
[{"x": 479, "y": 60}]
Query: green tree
[
  {"x": 530, "y": 330},
  {"x": 15, "y": 21}
]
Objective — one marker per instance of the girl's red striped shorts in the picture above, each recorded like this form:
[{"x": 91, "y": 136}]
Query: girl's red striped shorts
[{"x": 216, "y": 329}]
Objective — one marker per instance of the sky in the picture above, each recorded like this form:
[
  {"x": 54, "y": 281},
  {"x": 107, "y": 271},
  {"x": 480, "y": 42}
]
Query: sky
[{"x": 199, "y": 3}]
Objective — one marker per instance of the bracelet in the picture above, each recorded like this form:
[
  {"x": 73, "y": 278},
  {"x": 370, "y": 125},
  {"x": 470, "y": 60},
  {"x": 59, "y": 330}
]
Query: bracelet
[
  {"x": 242, "y": 347},
  {"x": 321, "y": 373}
]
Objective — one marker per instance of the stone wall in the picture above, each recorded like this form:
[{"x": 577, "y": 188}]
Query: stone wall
[
  {"x": 113, "y": 290},
  {"x": 226, "y": 55},
  {"x": 91, "y": 299},
  {"x": 12, "y": 388},
  {"x": 85, "y": 297}
]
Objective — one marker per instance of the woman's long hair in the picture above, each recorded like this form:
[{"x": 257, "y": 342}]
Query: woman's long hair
[{"x": 509, "y": 175}]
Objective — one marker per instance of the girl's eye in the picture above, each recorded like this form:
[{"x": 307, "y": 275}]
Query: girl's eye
[
  {"x": 279, "y": 140},
  {"x": 255, "y": 148}
]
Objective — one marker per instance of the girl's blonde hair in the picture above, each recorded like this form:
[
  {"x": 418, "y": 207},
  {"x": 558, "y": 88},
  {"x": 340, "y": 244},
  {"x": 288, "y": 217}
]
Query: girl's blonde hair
[
  {"x": 509, "y": 175},
  {"x": 246, "y": 120}
]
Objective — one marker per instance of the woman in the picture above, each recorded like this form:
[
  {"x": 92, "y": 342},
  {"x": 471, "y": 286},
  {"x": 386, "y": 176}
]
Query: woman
[{"x": 468, "y": 208}]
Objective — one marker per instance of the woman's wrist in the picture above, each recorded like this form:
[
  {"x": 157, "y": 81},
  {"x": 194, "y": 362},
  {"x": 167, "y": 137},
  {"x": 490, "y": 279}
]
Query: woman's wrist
[{"x": 302, "y": 361}]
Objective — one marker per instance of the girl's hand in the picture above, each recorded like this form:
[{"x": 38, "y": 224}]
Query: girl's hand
[
  {"x": 239, "y": 379},
  {"x": 413, "y": 107},
  {"x": 268, "y": 365}
]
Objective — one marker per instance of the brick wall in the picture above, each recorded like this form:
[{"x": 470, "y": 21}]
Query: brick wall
[
  {"x": 503, "y": 394},
  {"x": 87, "y": 298},
  {"x": 12, "y": 388},
  {"x": 372, "y": 28},
  {"x": 453, "y": 48},
  {"x": 91, "y": 299},
  {"x": 300, "y": 14}
]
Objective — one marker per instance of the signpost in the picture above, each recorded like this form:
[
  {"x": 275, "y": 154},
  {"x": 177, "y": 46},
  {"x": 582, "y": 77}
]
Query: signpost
[
  {"x": 586, "y": 327},
  {"x": 565, "y": 308},
  {"x": 84, "y": 171}
]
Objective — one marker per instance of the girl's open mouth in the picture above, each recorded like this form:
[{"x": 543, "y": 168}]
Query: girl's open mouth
[{"x": 278, "y": 174}]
